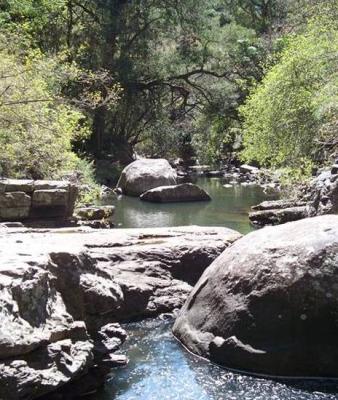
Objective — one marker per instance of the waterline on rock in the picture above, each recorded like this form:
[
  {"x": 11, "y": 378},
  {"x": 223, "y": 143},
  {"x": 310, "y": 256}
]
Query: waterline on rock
[{"x": 160, "y": 368}]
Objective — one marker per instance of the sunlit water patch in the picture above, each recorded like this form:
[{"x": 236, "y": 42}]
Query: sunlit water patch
[{"x": 160, "y": 369}]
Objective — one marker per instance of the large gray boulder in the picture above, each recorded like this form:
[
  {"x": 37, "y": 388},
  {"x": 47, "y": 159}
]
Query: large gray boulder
[
  {"x": 269, "y": 303},
  {"x": 146, "y": 174},
  {"x": 176, "y": 193}
]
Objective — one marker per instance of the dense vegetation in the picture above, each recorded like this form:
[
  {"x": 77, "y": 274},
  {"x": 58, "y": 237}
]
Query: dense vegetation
[
  {"x": 88, "y": 83},
  {"x": 290, "y": 118}
]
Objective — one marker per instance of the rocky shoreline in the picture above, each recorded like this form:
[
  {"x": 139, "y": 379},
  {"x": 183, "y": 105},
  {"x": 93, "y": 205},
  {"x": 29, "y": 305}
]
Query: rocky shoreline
[
  {"x": 318, "y": 197},
  {"x": 64, "y": 291}
]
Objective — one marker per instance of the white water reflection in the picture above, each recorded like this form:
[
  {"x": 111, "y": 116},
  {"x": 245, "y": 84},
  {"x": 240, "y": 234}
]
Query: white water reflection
[{"x": 160, "y": 369}]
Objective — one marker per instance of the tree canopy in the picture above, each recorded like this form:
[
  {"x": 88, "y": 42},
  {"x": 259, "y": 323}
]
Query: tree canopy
[{"x": 215, "y": 79}]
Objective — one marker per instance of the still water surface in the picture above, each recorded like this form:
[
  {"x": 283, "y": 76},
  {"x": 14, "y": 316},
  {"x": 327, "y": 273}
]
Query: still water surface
[
  {"x": 159, "y": 368},
  {"x": 229, "y": 207}
]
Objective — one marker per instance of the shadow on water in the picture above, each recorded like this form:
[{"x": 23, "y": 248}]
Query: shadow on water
[
  {"x": 229, "y": 207},
  {"x": 160, "y": 369}
]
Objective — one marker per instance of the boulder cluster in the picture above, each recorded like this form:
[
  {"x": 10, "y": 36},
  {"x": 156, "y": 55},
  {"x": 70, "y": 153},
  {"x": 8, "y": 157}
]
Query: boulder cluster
[
  {"x": 155, "y": 180},
  {"x": 318, "y": 197}
]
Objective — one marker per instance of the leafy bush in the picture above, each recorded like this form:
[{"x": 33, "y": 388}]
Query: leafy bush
[
  {"x": 290, "y": 116},
  {"x": 36, "y": 126}
]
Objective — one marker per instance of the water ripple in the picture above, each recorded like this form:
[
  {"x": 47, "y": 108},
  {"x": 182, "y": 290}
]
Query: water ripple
[{"x": 160, "y": 369}]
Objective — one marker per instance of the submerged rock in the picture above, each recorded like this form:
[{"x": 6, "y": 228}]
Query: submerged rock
[
  {"x": 177, "y": 193},
  {"x": 269, "y": 303},
  {"x": 145, "y": 174},
  {"x": 62, "y": 290}
]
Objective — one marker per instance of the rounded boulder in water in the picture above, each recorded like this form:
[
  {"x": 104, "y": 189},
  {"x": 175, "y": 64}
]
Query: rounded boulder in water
[{"x": 269, "y": 303}]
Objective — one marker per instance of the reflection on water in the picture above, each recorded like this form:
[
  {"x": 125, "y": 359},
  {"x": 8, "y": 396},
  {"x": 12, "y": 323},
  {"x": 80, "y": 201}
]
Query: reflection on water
[
  {"x": 160, "y": 369},
  {"x": 229, "y": 207}
]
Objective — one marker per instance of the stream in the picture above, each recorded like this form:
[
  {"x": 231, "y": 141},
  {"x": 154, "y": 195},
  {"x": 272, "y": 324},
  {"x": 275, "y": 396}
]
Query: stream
[{"x": 159, "y": 367}]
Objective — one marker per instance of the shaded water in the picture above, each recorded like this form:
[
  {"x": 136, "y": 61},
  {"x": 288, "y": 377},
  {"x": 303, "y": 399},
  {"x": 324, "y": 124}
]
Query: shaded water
[
  {"x": 160, "y": 369},
  {"x": 229, "y": 207}
]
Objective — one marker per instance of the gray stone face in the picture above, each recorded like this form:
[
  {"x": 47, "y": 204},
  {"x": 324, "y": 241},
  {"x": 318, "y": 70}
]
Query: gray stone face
[
  {"x": 61, "y": 288},
  {"x": 269, "y": 303},
  {"x": 177, "y": 193},
  {"x": 95, "y": 213},
  {"x": 14, "y": 206},
  {"x": 14, "y": 200},
  {"x": 36, "y": 200},
  {"x": 146, "y": 174},
  {"x": 324, "y": 193},
  {"x": 277, "y": 216},
  {"x": 18, "y": 185},
  {"x": 41, "y": 346},
  {"x": 50, "y": 197}
]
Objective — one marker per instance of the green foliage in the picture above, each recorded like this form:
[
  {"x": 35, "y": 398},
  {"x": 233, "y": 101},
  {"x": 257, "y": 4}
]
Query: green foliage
[
  {"x": 158, "y": 77},
  {"x": 83, "y": 173},
  {"x": 289, "y": 117},
  {"x": 36, "y": 126}
]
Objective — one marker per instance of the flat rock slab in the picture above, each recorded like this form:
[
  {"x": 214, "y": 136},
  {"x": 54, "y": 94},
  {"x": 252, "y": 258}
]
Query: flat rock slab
[
  {"x": 95, "y": 213},
  {"x": 278, "y": 204},
  {"x": 269, "y": 303},
  {"x": 177, "y": 193},
  {"x": 277, "y": 216},
  {"x": 58, "y": 288}
]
